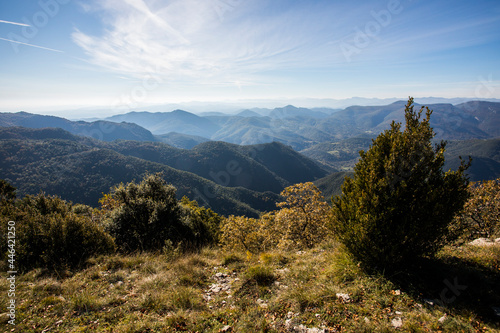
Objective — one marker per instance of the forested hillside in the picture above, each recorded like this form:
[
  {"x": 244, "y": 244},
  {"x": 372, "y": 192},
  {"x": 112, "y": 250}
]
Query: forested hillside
[{"x": 229, "y": 178}]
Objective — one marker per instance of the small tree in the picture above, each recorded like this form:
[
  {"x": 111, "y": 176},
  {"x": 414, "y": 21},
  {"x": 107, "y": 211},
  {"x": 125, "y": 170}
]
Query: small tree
[
  {"x": 399, "y": 203},
  {"x": 300, "y": 223},
  {"x": 146, "y": 215},
  {"x": 481, "y": 214},
  {"x": 241, "y": 233},
  {"x": 302, "y": 220}
]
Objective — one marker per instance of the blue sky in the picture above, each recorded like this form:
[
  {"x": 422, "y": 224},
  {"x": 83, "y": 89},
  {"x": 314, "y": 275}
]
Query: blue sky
[{"x": 61, "y": 54}]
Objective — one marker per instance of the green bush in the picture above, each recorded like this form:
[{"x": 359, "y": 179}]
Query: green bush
[
  {"x": 204, "y": 223},
  {"x": 399, "y": 203},
  {"x": 50, "y": 235},
  {"x": 147, "y": 215}
]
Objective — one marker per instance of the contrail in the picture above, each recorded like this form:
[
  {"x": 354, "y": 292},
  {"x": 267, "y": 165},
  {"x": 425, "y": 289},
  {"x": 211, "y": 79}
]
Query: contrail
[
  {"x": 15, "y": 23},
  {"x": 40, "y": 47}
]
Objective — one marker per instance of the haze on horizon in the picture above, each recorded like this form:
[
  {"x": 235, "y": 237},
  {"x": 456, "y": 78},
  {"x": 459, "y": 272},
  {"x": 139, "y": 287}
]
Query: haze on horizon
[{"x": 64, "y": 54}]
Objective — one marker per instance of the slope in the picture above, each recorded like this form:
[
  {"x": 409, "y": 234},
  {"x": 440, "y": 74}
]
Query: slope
[
  {"x": 81, "y": 173},
  {"x": 101, "y": 130},
  {"x": 165, "y": 122}
]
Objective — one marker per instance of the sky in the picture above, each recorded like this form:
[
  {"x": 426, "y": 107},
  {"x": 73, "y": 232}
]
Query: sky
[{"x": 127, "y": 54}]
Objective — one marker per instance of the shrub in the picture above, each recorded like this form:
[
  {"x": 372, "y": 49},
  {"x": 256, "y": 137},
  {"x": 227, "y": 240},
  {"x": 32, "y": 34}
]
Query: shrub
[
  {"x": 481, "y": 214},
  {"x": 50, "y": 235},
  {"x": 204, "y": 222},
  {"x": 300, "y": 223},
  {"x": 302, "y": 220},
  {"x": 399, "y": 203},
  {"x": 146, "y": 215},
  {"x": 241, "y": 233}
]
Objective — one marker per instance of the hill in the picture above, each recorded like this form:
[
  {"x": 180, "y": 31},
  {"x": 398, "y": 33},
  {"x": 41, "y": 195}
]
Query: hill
[
  {"x": 101, "y": 130},
  {"x": 180, "y": 140},
  {"x": 81, "y": 173},
  {"x": 331, "y": 185},
  {"x": 485, "y": 157},
  {"x": 166, "y": 122},
  {"x": 317, "y": 290},
  {"x": 301, "y": 128},
  {"x": 227, "y": 177}
]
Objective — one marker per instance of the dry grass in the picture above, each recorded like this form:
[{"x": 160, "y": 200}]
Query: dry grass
[{"x": 271, "y": 292}]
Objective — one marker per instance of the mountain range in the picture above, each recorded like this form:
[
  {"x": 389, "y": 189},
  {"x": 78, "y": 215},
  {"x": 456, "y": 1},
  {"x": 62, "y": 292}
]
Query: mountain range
[{"x": 242, "y": 161}]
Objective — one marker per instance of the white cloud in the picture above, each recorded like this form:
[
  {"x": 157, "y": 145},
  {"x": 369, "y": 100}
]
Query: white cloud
[{"x": 200, "y": 40}]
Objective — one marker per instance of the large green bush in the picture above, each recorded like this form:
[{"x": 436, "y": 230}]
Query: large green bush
[
  {"x": 146, "y": 215},
  {"x": 48, "y": 234},
  {"x": 399, "y": 203},
  {"x": 203, "y": 222}
]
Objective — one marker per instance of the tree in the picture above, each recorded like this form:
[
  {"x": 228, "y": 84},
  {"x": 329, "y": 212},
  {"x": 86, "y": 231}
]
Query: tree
[
  {"x": 7, "y": 191},
  {"x": 481, "y": 214},
  {"x": 146, "y": 215},
  {"x": 302, "y": 220},
  {"x": 300, "y": 223},
  {"x": 242, "y": 233},
  {"x": 399, "y": 203}
]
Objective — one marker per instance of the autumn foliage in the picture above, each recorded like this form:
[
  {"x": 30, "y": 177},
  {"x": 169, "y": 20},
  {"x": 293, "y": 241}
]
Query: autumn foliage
[
  {"x": 481, "y": 214},
  {"x": 300, "y": 223}
]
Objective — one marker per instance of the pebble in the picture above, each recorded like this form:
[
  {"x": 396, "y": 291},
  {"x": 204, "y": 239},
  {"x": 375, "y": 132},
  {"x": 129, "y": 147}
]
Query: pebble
[
  {"x": 344, "y": 297},
  {"x": 226, "y": 328},
  {"x": 397, "y": 322}
]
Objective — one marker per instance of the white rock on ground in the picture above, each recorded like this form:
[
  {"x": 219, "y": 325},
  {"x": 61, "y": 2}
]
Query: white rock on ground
[
  {"x": 397, "y": 322},
  {"x": 485, "y": 242},
  {"x": 344, "y": 297}
]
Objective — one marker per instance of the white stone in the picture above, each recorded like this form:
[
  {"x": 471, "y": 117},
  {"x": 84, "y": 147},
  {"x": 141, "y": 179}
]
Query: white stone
[
  {"x": 344, "y": 297},
  {"x": 484, "y": 242},
  {"x": 226, "y": 328},
  {"x": 397, "y": 322}
]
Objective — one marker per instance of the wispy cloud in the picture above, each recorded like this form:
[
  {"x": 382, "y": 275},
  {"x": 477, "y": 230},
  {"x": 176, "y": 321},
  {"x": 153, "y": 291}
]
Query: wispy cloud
[
  {"x": 196, "y": 39},
  {"x": 32, "y": 45},
  {"x": 220, "y": 42}
]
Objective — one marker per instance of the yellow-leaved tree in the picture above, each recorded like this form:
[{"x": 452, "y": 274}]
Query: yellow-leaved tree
[
  {"x": 481, "y": 214},
  {"x": 300, "y": 223},
  {"x": 302, "y": 220}
]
